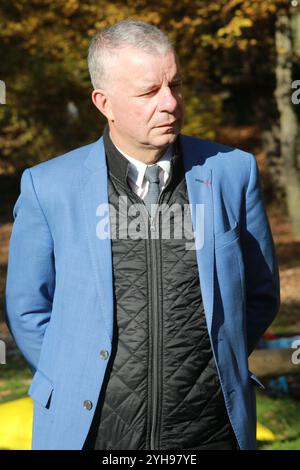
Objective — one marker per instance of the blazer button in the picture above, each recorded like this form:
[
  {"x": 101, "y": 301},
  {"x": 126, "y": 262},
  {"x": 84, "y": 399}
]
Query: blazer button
[
  {"x": 104, "y": 354},
  {"x": 87, "y": 404}
]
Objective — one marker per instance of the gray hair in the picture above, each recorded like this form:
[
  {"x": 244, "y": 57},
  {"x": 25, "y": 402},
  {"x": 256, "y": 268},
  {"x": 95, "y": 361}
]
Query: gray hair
[{"x": 125, "y": 33}]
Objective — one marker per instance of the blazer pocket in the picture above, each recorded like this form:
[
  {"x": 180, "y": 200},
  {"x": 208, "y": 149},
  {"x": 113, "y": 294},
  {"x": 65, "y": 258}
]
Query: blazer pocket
[
  {"x": 224, "y": 238},
  {"x": 41, "y": 389},
  {"x": 255, "y": 381}
]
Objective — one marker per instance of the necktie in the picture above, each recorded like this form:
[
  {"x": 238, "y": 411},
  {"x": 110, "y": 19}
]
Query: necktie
[{"x": 152, "y": 175}]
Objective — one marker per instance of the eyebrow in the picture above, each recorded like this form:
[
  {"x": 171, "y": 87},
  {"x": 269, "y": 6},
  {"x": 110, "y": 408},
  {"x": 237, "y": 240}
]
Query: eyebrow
[{"x": 152, "y": 86}]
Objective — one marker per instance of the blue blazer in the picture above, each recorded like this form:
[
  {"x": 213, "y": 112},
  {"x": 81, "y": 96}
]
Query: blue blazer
[{"x": 59, "y": 291}]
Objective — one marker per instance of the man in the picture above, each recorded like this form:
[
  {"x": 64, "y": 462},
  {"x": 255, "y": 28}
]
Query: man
[{"x": 140, "y": 340}]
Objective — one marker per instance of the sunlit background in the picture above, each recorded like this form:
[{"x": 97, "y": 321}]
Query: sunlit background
[{"x": 241, "y": 67}]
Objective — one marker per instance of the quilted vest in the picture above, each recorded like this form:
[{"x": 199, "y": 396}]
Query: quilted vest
[{"x": 161, "y": 389}]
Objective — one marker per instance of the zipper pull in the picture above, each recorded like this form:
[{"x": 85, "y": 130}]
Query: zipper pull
[{"x": 152, "y": 226}]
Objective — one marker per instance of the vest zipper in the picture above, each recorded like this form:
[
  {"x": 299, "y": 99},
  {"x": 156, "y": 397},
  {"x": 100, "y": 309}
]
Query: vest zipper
[
  {"x": 154, "y": 435},
  {"x": 155, "y": 271},
  {"x": 155, "y": 336}
]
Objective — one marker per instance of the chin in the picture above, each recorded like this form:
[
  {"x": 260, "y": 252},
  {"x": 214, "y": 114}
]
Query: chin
[{"x": 166, "y": 139}]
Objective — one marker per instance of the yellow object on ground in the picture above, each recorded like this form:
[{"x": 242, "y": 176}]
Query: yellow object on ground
[
  {"x": 16, "y": 424},
  {"x": 264, "y": 434}
]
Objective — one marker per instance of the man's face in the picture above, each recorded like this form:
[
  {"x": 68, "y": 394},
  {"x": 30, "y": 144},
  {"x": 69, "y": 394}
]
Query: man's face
[{"x": 145, "y": 99}]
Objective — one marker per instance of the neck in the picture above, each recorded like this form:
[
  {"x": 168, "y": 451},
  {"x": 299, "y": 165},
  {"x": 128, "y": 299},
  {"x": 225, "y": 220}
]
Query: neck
[{"x": 147, "y": 155}]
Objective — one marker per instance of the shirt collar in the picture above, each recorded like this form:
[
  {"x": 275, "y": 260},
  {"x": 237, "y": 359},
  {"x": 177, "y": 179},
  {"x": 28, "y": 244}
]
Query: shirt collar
[{"x": 136, "y": 168}]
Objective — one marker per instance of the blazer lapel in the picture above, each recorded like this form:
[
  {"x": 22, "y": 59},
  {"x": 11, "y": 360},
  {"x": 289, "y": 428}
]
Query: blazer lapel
[
  {"x": 95, "y": 204},
  {"x": 199, "y": 187}
]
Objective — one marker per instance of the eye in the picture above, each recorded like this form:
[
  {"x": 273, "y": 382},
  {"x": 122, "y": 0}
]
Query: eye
[
  {"x": 176, "y": 85},
  {"x": 150, "y": 93}
]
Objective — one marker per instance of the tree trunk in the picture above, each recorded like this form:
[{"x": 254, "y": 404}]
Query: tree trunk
[
  {"x": 295, "y": 31},
  {"x": 288, "y": 118},
  {"x": 267, "y": 363},
  {"x": 270, "y": 138}
]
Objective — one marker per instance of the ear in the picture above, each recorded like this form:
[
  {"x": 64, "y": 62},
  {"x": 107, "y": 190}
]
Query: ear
[{"x": 102, "y": 102}]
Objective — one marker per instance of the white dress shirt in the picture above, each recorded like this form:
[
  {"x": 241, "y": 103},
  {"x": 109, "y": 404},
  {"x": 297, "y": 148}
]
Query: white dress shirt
[{"x": 136, "y": 172}]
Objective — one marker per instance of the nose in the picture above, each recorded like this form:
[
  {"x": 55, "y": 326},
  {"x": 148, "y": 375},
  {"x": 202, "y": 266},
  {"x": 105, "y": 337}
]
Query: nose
[{"x": 167, "y": 102}]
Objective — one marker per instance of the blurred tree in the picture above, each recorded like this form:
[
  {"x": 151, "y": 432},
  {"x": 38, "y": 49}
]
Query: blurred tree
[
  {"x": 228, "y": 51},
  {"x": 286, "y": 39}
]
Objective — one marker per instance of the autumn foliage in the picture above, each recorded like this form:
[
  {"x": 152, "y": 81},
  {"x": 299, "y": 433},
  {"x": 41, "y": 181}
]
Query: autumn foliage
[{"x": 226, "y": 50}]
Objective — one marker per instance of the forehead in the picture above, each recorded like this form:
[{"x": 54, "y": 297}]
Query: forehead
[{"x": 137, "y": 67}]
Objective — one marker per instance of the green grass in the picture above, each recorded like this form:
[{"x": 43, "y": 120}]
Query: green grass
[
  {"x": 282, "y": 417},
  {"x": 15, "y": 378},
  {"x": 287, "y": 321}
]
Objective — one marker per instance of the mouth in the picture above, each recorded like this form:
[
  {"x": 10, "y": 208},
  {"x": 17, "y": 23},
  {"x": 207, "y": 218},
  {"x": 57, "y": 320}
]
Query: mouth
[{"x": 167, "y": 124}]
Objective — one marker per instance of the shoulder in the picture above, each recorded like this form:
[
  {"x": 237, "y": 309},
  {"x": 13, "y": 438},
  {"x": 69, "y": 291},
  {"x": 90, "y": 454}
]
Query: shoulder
[
  {"x": 217, "y": 156},
  {"x": 61, "y": 171},
  {"x": 211, "y": 149},
  {"x": 66, "y": 162},
  {"x": 229, "y": 164},
  {"x": 59, "y": 177}
]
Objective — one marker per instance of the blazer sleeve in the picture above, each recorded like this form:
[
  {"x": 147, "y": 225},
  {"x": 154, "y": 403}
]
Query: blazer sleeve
[
  {"x": 261, "y": 269},
  {"x": 30, "y": 280}
]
